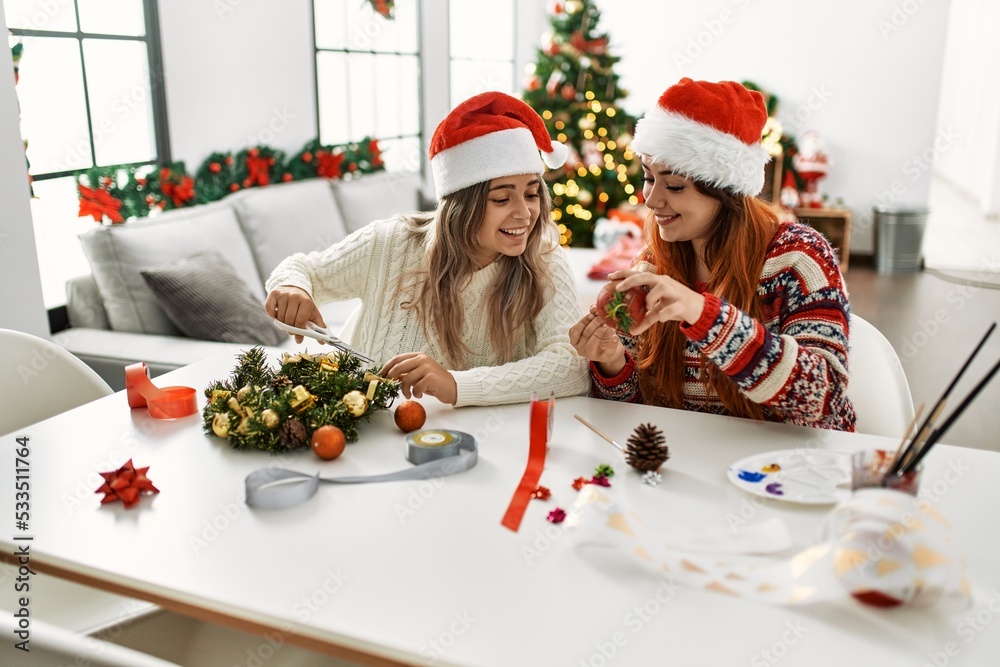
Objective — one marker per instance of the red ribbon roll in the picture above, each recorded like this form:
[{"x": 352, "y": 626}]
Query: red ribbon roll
[
  {"x": 541, "y": 428},
  {"x": 166, "y": 403}
]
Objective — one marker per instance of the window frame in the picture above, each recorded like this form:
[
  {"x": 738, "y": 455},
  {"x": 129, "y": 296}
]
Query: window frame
[
  {"x": 471, "y": 59},
  {"x": 158, "y": 99},
  {"x": 346, "y": 50}
]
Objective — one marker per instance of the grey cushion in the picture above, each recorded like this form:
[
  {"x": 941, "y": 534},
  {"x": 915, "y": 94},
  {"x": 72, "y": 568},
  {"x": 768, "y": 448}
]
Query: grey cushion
[
  {"x": 83, "y": 304},
  {"x": 286, "y": 218},
  {"x": 117, "y": 254},
  {"x": 204, "y": 298},
  {"x": 377, "y": 197}
]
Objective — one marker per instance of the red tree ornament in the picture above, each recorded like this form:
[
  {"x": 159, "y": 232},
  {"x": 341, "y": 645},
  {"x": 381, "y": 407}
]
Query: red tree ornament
[{"x": 126, "y": 484}]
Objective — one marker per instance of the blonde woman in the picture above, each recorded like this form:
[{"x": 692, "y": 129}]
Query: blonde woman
[{"x": 472, "y": 303}]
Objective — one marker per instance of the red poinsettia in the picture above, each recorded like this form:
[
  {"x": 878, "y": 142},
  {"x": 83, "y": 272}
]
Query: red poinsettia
[
  {"x": 376, "y": 152},
  {"x": 383, "y": 7},
  {"x": 98, "y": 203},
  {"x": 126, "y": 484},
  {"x": 257, "y": 169},
  {"x": 179, "y": 193},
  {"x": 328, "y": 164}
]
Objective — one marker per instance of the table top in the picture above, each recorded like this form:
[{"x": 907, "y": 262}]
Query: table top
[{"x": 423, "y": 571}]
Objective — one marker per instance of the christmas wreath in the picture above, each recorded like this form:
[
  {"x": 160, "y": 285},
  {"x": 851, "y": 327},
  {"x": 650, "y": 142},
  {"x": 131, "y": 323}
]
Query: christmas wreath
[{"x": 277, "y": 411}]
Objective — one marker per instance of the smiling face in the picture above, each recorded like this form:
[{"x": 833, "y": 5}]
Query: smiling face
[
  {"x": 681, "y": 212},
  {"x": 512, "y": 209}
]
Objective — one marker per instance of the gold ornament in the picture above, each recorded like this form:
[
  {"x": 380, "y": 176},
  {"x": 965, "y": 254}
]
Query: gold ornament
[
  {"x": 291, "y": 358},
  {"x": 241, "y": 394},
  {"x": 270, "y": 418},
  {"x": 220, "y": 395},
  {"x": 356, "y": 403},
  {"x": 244, "y": 427},
  {"x": 573, "y": 6},
  {"x": 302, "y": 400},
  {"x": 220, "y": 425},
  {"x": 327, "y": 365},
  {"x": 235, "y": 406},
  {"x": 372, "y": 381}
]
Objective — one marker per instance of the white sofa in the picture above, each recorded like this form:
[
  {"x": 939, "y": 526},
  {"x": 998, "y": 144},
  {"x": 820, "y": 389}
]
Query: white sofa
[{"x": 114, "y": 317}]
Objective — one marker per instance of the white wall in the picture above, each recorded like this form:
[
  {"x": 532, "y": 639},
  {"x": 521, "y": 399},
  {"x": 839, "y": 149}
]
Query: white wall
[
  {"x": 20, "y": 286},
  {"x": 970, "y": 102},
  {"x": 865, "y": 74},
  {"x": 238, "y": 72}
]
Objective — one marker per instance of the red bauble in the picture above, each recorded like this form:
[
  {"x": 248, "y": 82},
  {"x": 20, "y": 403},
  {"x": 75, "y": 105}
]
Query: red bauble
[
  {"x": 410, "y": 416},
  {"x": 307, "y": 157},
  {"x": 233, "y": 187},
  {"x": 568, "y": 92},
  {"x": 215, "y": 167},
  {"x": 229, "y": 159},
  {"x": 328, "y": 442},
  {"x": 533, "y": 83},
  {"x": 286, "y": 177},
  {"x": 621, "y": 310},
  {"x": 247, "y": 182}
]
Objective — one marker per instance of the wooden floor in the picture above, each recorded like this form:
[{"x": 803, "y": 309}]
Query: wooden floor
[{"x": 934, "y": 324}]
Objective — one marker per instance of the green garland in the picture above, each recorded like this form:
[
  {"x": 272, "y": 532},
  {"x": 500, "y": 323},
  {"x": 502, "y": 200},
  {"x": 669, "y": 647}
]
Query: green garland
[
  {"x": 120, "y": 193},
  {"x": 258, "y": 408}
]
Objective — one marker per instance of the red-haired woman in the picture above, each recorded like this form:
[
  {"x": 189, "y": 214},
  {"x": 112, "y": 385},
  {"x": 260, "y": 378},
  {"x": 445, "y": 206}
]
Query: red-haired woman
[{"x": 746, "y": 315}]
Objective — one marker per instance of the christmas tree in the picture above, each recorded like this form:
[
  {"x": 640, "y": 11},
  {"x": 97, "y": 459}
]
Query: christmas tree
[{"x": 575, "y": 89}]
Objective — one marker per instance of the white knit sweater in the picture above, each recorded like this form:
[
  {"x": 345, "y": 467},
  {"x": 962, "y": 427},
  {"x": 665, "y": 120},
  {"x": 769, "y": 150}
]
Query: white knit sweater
[{"x": 370, "y": 263}]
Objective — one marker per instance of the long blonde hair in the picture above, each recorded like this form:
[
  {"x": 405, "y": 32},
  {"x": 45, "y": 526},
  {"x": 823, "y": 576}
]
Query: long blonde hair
[{"x": 518, "y": 294}]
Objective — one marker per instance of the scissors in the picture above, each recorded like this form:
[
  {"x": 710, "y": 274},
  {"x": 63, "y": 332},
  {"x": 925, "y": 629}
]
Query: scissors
[{"x": 314, "y": 330}]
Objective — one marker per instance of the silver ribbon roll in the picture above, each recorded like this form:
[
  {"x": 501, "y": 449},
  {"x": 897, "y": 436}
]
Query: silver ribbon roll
[{"x": 444, "y": 453}]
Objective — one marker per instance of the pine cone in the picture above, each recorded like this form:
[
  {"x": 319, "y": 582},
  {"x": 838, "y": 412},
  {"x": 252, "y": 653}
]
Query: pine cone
[
  {"x": 292, "y": 434},
  {"x": 646, "y": 448},
  {"x": 280, "y": 382}
]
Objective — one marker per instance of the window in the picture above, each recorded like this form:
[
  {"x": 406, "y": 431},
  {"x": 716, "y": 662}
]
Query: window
[
  {"x": 368, "y": 77},
  {"x": 90, "y": 95},
  {"x": 482, "y": 50}
]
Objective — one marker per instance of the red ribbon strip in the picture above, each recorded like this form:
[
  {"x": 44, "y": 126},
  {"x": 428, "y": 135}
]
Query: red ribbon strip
[
  {"x": 166, "y": 403},
  {"x": 541, "y": 413}
]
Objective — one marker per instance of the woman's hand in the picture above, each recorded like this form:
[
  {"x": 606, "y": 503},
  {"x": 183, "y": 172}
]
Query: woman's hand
[
  {"x": 294, "y": 306},
  {"x": 596, "y": 341},
  {"x": 418, "y": 374},
  {"x": 666, "y": 299}
]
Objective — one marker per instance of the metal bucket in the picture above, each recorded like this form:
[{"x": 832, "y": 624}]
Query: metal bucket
[{"x": 899, "y": 236}]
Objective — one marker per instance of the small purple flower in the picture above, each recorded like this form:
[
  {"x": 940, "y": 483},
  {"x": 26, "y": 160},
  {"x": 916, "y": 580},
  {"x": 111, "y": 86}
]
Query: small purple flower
[{"x": 600, "y": 480}]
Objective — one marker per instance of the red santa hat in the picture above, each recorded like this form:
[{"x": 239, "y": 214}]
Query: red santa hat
[
  {"x": 709, "y": 132},
  {"x": 489, "y": 136}
]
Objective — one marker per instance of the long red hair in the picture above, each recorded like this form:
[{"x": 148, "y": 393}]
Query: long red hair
[{"x": 734, "y": 253}]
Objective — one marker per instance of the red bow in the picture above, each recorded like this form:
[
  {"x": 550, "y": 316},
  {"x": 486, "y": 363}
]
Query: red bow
[
  {"x": 125, "y": 484},
  {"x": 177, "y": 192},
  {"x": 257, "y": 168},
  {"x": 97, "y": 202},
  {"x": 595, "y": 47},
  {"x": 328, "y": 164}
]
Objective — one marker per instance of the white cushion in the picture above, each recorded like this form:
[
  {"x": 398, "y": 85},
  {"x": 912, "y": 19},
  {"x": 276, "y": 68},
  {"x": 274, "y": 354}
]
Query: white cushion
[
  {"x": 286, "y": 218},
  {"x": 377, "y": 197},
  {"x": 117, "y": 254}
]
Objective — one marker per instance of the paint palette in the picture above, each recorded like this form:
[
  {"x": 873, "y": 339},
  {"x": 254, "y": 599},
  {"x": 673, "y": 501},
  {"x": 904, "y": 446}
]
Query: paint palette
[{"x": 813, "y": 477}]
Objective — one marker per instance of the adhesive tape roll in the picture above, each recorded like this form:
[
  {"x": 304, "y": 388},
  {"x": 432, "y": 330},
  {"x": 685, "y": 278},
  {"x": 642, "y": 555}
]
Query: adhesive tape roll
[{"x": 423, "y": 446}]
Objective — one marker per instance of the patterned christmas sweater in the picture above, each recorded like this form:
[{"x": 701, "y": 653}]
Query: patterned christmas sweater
[{"x": 793, "y": 362}]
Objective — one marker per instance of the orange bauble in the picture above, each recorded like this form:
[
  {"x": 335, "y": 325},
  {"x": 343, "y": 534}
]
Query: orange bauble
[
  {"x": 328, "y": 442},
  {"x": 410, "y": 416}
]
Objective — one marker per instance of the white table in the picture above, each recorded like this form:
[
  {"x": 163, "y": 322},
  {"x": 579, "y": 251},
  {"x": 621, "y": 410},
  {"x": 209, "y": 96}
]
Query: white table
[{"x": 412, "y": 571}]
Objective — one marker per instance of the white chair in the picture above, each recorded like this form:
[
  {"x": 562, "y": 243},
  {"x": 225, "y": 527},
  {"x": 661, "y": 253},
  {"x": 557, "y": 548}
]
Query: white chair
[
  {"x": 877, "y": 385},
  {"x": 39, "y": 379},
  {"x": 53, "y": 646}
]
